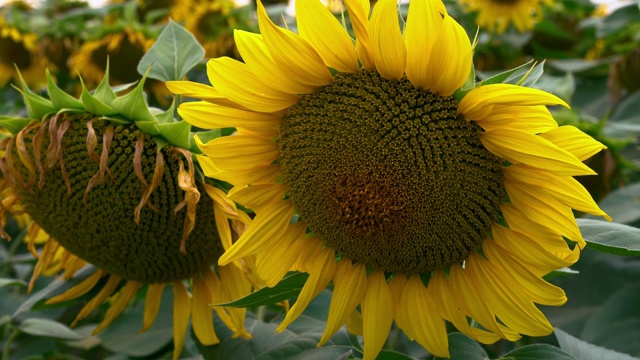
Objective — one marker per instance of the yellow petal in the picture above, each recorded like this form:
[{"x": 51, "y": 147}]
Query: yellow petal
[
  {"x": 423, "y": 22},
  {"x": 97, "y": 300},
  {"x": 239, "y": 151},
  {"x": 273, "y": 265},
  {"x": 355, "y": 323},
  {"x": 264, "y": 232},
  {"x": 120, "y": 301},
  {"x": 292, "y": 53},
  {"x": 261, "y": 174},
  {"x": 233, "y": 285},
  {"x": 421, "y": 318},
  {"x": 202, "y": 319},
  {"x": 533, "y": 150},
  {"x": 235, "y": 81},
  {"x": 321, "y": 29},
  {"x": 530, "y": 119},
  {"x": 321, "y": 265},
  {"x": 359, "y": 16},
  {"x": 181, "y": 315},
  {"x": 531, "y": 284},
  {"x": 450, "y": 64},
  {"x": 78, "y": 290},
  {"x": 257, "y": 57},
  {"x": 212, "y": 116},
  {"x": 573, "y": 140},
  {"x": 477, "y": 104},
  {"x": 257, "y": 197},
  {"x": 387, "y": 46},
  {"x": 151, "y": 305},
  {"x": 377, "y": 313},
  {"x": 350, "y": 286},
  {"x": 564, "y": 188}
]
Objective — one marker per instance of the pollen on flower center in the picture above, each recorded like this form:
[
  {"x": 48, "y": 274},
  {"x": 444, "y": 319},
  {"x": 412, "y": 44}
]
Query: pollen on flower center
[{"x": 389, "y": 175}]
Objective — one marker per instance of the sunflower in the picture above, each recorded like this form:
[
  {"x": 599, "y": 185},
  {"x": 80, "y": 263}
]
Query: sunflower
[
  {"x": 210, "y": 23},
  {"x": 108, "y": 183},
  {"x": 19, "y": 49},
  {"x": 177, "y": 10},
  {"x": 497, "y": 15},
  {"x": 364, "y": 169},
  {"x": 124, "y": 48}
]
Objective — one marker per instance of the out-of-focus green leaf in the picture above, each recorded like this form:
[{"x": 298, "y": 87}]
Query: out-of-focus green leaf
[
  {"x": 584, "y": 351},
  {"x": 290, "y": 286},
  {"x": 578, "y": 65},
  {"x": 561, "y": 272},
  {"x": 122, "y": 335},
  {"x": 172, "y": 56},
  {"x": 619, "y": 20},
  {"x": 48, "y": 328},
  {"x": 561, "y": 86},
  {"x": 610, "y": 237},
  {"x": 626, "y": 117},
  {"x": 537, "y": 352},
  {"x": 393, "y": 355},
  {"x": 623, "y": 204},
  {"x": 616, "y": 325},
  {"x": 463, "y": 347},
  {"x": 6, "y": 282}
]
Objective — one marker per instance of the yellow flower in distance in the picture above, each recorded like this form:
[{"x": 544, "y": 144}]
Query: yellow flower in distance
[
  {"x": 103, "y": 191},
  {"x": 420, "y": 208},
  {"x": 497, "y": 15},
  {"x": 19, "y": 49}
]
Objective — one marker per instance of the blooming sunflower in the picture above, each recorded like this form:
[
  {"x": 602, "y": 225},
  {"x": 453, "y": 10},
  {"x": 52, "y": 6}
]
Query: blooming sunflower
[
  {"x": 108, "y": 183},
  {"x": 210, "y": 23},
  {"x": 364, "y": 170},
  {"x": 497, "y": 15},
  {"x": 124, "y": 47},
  {"x": 19, "y": 49}
]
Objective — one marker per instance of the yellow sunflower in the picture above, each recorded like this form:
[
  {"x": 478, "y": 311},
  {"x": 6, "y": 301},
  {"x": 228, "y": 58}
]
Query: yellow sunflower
[
  {"x": 364, "y": 170},
  {"x": 497, "y": 15},
  {"x": 124, "y": 48},
  {"x": 107, "y": 183},
  {"x": 19, "y": 49},
  {"x": 211, "y": 24}
]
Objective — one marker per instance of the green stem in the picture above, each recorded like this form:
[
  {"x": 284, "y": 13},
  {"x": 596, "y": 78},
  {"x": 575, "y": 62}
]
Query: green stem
[{"x": 7, "y": 344}]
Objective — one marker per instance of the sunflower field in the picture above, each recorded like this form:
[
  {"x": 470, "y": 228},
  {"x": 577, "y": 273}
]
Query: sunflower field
[{"x": 320, "y": 179}]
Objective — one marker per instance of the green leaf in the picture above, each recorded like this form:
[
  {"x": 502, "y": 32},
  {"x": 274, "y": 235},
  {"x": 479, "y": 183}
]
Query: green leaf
[
  {"x": 609, "y": 237},
  {"x": 537, "y": 352},
  {"x": 616, "y": 324},
  {"x": 561, "y": 273},
  {"x": 619, "y": 20},
  {"x": 177, "y": 133},
  {"x": 288, "y": 287},
  {"x": 132, "y": 105},
  {"x": 14, "y": 125},
  {"x": 392, "y": 355},
  {"x": 7, "y": 282},
  {"x": 463, "y": 347},
  {"x": 59, "y": 98},
  {"x": 48, "y": 328},
  {"x": 93, "y": 104},
  {"x": 561, "y": 86},
  {"x": 626, "y": 117},
  {"x": 584, "y": 351},
  {"x": 501, "y": 77},
  {"x": 526, "y": 77},
  {"x": 123, "y": 336},
  {"x": 623, "y": 204},
  {"x": 174, "y": 53}
]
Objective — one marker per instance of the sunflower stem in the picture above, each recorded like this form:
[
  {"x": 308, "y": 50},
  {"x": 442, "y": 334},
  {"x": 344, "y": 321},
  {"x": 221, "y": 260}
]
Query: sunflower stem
[{"x": 7, "y": 345}]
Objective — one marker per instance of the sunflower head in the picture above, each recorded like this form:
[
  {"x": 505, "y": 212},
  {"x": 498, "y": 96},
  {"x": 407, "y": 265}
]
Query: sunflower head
[
  {"x": 113, "y": 184},
  {"x": 381, "y": 166},
  {"x": 498, "y": 15},
  {"x": 19, "y": 50}
]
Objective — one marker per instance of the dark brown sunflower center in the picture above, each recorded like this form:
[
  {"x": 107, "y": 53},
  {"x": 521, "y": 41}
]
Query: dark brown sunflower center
[
  {"x": 389, "y": 175},
  {"x": 12, "y": 52},
  {"x": 101, "y": 228}
]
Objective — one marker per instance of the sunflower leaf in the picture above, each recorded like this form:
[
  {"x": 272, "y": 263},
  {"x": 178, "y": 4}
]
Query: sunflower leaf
[
  {"x": 174, "y": 53},
  {"x": 585, "y": 351},
  {"x": 61, "y": 99},
  {"x": 463, "y": 347},
  {"x": 288, "y": 287},
  {"x": 537, "y": 352},
  {"x": 177, "y": 133},
  {"x": 48, "y": 328},
  {"x": 610, "y": 238},
  {"x": 14, "y": 125},
  {"x": 6, "y": 282}
]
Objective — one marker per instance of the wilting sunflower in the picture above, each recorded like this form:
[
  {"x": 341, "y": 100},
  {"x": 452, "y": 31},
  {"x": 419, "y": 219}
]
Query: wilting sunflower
[
  {"x": 112, "y": 185},
  {"x": 161, "y": 10},
  {"x": 19, "y": 49},
  {"x": 124, "y": 48},
  {"x": 212, "y": 23},
  {"x": 362, "y": 168},
  {"x": 497, "y": 15}
]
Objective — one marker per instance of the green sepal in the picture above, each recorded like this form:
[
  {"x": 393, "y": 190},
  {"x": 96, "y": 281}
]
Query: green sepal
[
  {"x": 133, "y": 105},
  {"x": 95, "y": 105},
  {"x": 37, "y": 106},
  {"x": 160, "y": 142},
  {"x": 104, "y": 92},
  {"x": 148, "y": 127},
  {"x": 467, "y": 86},
  {"x": 177, "y": 133},
  {"x": 59, "y": 98},
  {"x": 501, "y": 77},
  {"x": 167, "y": 116},
  {"x": 13, "y": 124},
  {"x": 115, "y": 120}
]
